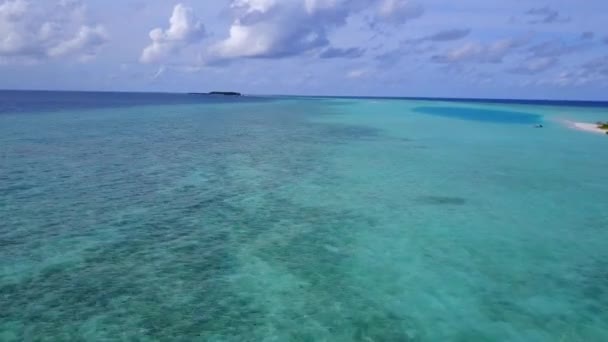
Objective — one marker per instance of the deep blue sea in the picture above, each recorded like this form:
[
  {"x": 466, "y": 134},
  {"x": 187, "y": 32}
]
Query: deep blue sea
[{"x": 173, "y": 217}]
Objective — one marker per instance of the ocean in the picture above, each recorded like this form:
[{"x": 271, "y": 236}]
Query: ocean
[{"x": 170, "y": 217}]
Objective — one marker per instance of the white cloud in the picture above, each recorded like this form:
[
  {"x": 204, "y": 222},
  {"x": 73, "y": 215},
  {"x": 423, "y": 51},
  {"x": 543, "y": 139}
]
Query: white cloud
[
  {"x": 534, "y": 65},
  {"x": 399, "y": 11},
  {"x": 269, "y": 28},
  {"x": 480, "y": 53},
  {"x": 567, "y": 79},
  {"x": 594, "y": 71},
  {"x": 554, "y": 48},
  {"x": 254, "y": 5},
  {"x": 275, "y": 29},
  {"x": 85, "y": 42},
  {"x": 358, "y": 73},
  {"x": 49, "y": 29},
  {"x": 184, "y": 29}
]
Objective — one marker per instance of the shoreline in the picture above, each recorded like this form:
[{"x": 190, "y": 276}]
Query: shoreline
[{"x": 585, "y": 127}]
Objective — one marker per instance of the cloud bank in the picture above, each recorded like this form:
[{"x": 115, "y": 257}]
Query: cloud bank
[
  {"x": 278, "y": 29},
  {"x": 50, "y": 29}
]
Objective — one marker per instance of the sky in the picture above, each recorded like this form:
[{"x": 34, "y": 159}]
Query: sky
[{"x": 542, "y": 49}]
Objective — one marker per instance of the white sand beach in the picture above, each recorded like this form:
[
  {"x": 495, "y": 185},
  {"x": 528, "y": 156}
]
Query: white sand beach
[{"x": 587, "y": 127}]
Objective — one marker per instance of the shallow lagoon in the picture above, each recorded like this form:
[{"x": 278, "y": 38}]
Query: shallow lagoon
[{"x": 300, "y": 219}]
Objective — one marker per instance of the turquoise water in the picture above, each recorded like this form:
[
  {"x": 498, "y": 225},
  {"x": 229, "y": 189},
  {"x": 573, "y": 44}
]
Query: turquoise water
[
  {"x": 481, "y": 114},
  {"x": 302, "y": 220}
]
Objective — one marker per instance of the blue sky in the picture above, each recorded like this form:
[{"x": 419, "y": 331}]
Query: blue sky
[{"x": 552, "y": 49}]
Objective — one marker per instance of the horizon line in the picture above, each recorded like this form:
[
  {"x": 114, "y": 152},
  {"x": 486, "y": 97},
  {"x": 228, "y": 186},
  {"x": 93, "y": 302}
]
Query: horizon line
[{"x": 431, "y": 98}]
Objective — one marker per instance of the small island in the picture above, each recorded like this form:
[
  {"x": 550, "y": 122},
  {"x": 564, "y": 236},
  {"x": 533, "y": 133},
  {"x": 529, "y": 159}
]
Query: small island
[
  {"x": 603, "y": 126},
  {"x": 223, "y": 93},
  {"x": 598, "y": 127}
]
